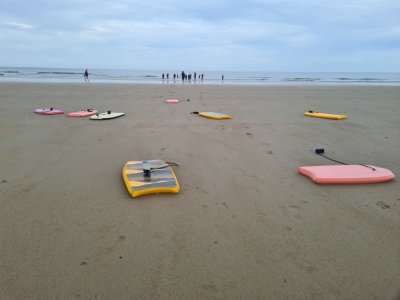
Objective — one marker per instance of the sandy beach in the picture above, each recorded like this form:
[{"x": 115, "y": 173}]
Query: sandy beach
[{"x": 245, "y": 225}]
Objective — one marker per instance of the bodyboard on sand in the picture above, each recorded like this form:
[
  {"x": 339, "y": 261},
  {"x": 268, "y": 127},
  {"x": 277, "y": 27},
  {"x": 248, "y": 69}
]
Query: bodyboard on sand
[
  {"x": 161, "y": 180},
  {"x": 324, "y": 115},
  {"x": 107, "y": 115},
  {"x": 214, "y": 115},
  {"x": 83, "y": 113},
  {"x": 346, "y": 174},
  {"x": 48, "y": 111},
  {"x": 172, "y": 101}
]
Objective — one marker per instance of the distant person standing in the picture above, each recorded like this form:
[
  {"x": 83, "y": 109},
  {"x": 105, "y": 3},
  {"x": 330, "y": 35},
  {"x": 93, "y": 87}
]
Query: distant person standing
[
  {"x": 222, "y": 77},
  {"x": 86, "y": 75}
]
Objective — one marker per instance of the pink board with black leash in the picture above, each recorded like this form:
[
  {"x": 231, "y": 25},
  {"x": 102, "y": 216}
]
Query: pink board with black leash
[
  {"x": 83, "y": 113},
  {"x": 347, "y": 174},
  {"x": 172, "y": 101},
  {"x": 48, "y": 111}
]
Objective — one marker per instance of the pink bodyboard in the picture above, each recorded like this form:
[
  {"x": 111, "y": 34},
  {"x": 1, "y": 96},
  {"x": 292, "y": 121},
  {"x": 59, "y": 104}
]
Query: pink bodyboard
[
  {"x": 172, "y": 101},
  {"x": 83, "y": 113},
  {"x": 48, "y": 111},
  {"x": 347, "y": 174}
]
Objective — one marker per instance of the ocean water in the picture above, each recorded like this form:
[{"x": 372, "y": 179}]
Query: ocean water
[{"x": 63, "y": 75}]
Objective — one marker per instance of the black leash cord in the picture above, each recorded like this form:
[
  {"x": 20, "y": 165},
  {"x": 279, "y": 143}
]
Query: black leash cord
[
  {"x": 168, "y": 164},
  {"x": 334, "y": 160}
]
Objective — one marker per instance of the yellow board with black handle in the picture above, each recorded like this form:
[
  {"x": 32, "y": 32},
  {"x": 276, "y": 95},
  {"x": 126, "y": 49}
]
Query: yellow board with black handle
[
  {"x": 324, "y": 115},
  {"x": 149, "y": 177}
]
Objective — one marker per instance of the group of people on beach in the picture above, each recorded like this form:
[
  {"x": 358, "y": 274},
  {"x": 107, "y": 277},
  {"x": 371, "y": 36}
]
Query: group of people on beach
[{"x": 183, "y": 76}]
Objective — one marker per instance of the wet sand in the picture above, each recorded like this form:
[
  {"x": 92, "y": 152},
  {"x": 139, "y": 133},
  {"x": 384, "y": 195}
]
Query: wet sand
[{"x": 246, "y": 225}]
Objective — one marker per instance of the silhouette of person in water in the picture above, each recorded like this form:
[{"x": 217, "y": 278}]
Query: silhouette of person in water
[{"x": 86, "y": 75}]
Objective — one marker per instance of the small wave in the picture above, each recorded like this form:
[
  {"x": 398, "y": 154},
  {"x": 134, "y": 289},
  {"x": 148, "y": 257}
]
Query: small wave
[
  {"x": 59, "y": 73},
  {"x": 372, "y": 79},
  {"x": 241, "y": 79},
  {"x": 11, "y": 72},
  {"x": 360, "y": 79},
  {"x": 149, "y": 76},
  {"x": 1, "y": 74},
  {"x": 301, "y": 79},
  {"x": 255, "y": 78}
]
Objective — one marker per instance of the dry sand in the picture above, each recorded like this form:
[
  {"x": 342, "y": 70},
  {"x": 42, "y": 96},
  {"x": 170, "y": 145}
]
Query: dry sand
[{"x": 246, "y": 225}]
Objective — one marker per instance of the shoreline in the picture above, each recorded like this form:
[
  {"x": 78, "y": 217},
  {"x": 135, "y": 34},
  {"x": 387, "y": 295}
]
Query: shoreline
[{"x": 225, "y": 83}]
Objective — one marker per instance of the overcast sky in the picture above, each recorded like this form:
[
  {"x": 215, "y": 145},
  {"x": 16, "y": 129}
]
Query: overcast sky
[{"x": 251, "y": 35}]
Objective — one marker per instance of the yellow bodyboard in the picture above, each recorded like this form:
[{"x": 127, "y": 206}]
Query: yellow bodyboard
[
  {"x": 324, "y": 115},
  {"x": 214, "y": 115},
  {"x": 161, "y": 180}
]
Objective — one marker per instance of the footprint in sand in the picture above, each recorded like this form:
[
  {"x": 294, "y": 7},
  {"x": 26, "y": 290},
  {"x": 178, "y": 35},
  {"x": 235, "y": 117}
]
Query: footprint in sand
[
  {"x": 249, "y": 133},
  {"x": 382, "y": 205},
  {"x": 210, "y": 288}
]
